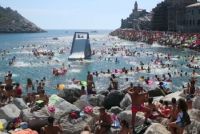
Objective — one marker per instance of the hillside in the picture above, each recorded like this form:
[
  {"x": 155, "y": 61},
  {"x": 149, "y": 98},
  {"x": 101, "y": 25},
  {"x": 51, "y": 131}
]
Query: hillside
[{"x": 12, "y": 22}]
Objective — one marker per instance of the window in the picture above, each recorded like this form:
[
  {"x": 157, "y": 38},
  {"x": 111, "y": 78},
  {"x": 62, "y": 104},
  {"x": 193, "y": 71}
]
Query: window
[
  {"x": 199, "y": 11},
  {"x": 194, "y": 22},
  {"x": 198, "y": 22},
  {"x": 190, "y": 22}
]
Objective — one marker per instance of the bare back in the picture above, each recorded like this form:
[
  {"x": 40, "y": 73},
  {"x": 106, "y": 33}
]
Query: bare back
[
  {"x": 137, "y": 98},
  {"x": 52, "y": 130}
]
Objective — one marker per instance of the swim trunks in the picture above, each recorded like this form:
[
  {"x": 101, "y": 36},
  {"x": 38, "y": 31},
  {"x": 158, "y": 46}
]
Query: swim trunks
[{"x": 137, "y": 108}]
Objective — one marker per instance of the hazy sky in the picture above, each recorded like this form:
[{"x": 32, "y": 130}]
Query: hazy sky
[{"x": 77, "y": 14}]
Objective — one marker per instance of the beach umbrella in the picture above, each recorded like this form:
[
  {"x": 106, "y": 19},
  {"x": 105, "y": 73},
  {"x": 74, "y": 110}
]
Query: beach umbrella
[{"x": 61, "y": 87}]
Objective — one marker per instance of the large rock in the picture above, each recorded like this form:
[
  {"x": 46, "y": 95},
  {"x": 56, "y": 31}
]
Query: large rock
[
  {"x": 61, "y": 107},
  {"x": 75, "y": 128},
  {"x": 96, "y": 100},
  {"x": 176, "y": 95},
  {"x": 115, "y": 110},
  {"x": 37, "y": 123},
  {"x": 113, "y": 99},
  {"x": 127, "y": 115},
  {"x": 9, "y": 112},
  {"x": 157, "y": 128},
  {"x": 19, "y": 102},
  {"x": 126, "y": 101},
  {"x": 196, "y": 102},
  {"x": 81, "y": 104},
  {"x": 193, "y": 128},
  {"x": 72, "y": 95},
  {"x": 194, "y": 114}
]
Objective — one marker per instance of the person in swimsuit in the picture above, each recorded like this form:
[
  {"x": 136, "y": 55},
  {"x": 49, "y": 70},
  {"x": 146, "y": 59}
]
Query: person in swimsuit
[
  {"x": 174, "y": 110},
  {"x": 124, "y": 127},
  {"x": 104, "y": 122},
  {"x": 182, "y": 120},
  {"x": 138, "y": 97},
  {"x": 51, "y": 128}
]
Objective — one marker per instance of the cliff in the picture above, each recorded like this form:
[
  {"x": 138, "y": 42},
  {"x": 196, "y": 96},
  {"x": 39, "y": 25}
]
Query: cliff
[{"x": 12, "y": 22}]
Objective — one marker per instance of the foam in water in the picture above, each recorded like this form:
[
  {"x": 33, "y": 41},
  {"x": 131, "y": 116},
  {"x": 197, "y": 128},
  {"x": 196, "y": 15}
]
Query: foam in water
[
  {"x": 21, "y": 64},
  {"x": 74, "y": 70}
]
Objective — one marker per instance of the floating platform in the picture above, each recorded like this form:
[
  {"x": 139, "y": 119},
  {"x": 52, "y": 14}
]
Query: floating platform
[{"x": 80, "y": 46}]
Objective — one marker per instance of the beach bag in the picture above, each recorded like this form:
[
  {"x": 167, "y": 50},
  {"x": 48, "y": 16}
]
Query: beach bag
[{"x": 88, "y": 110}]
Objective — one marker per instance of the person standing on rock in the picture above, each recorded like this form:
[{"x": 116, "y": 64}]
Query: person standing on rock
[
  {"x": 138, "y": 97},
  {"x": 90, "y": 84}
]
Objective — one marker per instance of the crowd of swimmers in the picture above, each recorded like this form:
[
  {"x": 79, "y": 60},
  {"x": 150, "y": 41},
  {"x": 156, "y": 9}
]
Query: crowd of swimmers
[
  {"x": 189, "y": 40},
  {"x": 33, "y": 91}
]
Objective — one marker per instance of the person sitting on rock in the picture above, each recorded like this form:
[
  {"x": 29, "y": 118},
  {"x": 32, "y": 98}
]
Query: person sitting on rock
[
  {"x": 138, "y": 97},
  {"x": 42, "y": 96},
  {"x": 18, "y": 90},
  {"x": 183, "y": 119},
  {"x": 124, "y": 127},
  {"x": 154, "y": 112},
  {"x": 174, "y": 110},
  {"x": 51, "y": 128},
  {"x": 2, "y": 96},
  {"x": 104, "y": 122},
  {"x": 166, "y": 110}
]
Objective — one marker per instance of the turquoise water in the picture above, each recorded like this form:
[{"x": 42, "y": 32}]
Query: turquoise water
[{"x": 28, "y": 66}]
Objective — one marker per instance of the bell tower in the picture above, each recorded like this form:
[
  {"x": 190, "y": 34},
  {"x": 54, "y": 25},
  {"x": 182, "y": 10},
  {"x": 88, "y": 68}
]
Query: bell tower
[{"x": 136, "y": 6}]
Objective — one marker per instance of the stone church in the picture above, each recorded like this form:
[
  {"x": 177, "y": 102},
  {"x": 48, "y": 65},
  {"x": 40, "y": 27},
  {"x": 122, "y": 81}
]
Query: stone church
[{"x": 139, "y": 19}]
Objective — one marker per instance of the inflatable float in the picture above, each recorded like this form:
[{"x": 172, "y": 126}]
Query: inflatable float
[{"x": 58, "y": 72}]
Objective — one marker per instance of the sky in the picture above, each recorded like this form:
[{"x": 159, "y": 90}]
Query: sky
[{"x": 77, "y": 14}]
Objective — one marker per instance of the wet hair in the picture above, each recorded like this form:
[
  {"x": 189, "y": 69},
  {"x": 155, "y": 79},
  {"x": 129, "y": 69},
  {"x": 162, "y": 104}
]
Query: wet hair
[
  {"x": 182, "y": 105},
  {"x": 82, "y": 88},
  {"x": 17, "y": 84},
  {"x": 150, "y": 100},
  {"x": 113, "y": 76},
  {"x": 166, "y": 103},
  {"x": 125, "y": 123},
  {"x": 42, "y": 91},
  {"x": 29, "y": 81},
  {"x": 50, "y": 120},
  {"x": 102, "y": 109},
  {"x": 173, "y": 100}
]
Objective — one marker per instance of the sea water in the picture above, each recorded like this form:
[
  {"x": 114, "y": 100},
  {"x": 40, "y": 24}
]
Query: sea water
[{"x": 29, "y": 66}]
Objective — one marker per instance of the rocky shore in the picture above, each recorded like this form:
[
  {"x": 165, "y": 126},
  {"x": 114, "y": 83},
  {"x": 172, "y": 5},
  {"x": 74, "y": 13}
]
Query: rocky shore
[
  {"x": 172, "y": 39},
  {"x": 12, "y": 22},
  {"x": 116, "y": 102}
]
